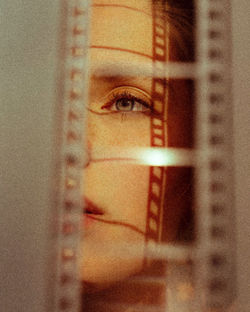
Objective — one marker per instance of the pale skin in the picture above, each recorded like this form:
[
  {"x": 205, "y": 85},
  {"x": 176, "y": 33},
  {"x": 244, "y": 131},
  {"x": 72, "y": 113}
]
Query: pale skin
[{"x": 120, "y": 190}]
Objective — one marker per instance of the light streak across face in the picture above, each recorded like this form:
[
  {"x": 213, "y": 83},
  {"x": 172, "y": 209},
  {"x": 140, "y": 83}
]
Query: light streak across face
[
  {"x": 145, "y": 69},
  {"x": 145, "y": 156}
]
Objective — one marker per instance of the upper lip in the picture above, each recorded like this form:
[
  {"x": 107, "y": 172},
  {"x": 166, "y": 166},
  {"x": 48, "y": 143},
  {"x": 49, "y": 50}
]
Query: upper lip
[{"x": 91, "y": 208}]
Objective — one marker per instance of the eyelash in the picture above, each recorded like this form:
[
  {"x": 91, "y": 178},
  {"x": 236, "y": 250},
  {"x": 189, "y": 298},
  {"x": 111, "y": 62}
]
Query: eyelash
[{"x": 126, "y": 95}]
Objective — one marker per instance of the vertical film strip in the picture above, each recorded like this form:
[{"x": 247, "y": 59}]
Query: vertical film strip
[
  {"x": 74, "y": 96},
  {"x": 187, "y": 274},
  {"x": 214, "y": 179},
  {"x": 158, "y": 127}
]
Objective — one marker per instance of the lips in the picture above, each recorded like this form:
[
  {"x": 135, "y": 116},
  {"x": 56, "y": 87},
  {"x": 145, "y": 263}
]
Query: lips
[{"x": 91, "y": 209}]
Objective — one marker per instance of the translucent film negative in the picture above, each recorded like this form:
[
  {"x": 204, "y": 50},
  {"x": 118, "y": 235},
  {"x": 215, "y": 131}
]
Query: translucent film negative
[
  {"x": 139, "y": 174},
  {"x": 140, "y": 209},
  {"x": 153, "y": 146}
]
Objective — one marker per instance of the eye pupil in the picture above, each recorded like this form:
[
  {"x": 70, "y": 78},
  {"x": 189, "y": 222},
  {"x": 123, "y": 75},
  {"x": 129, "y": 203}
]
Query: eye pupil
[{"x": 124, "y": 104}]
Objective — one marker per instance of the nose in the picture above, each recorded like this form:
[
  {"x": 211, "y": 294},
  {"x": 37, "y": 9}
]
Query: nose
[
  {"x": 89, "y": 140},
  {"x": 87, "y": 154}
]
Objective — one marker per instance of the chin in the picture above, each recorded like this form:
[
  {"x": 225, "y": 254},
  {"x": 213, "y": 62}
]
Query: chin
[{"x": 102, "y": 276}]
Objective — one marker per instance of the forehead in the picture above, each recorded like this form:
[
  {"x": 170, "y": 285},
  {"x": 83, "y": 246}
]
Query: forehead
[{"x": 121, "y": 29}]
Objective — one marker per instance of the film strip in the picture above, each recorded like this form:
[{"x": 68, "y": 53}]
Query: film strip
[
  {"x": 215, "y": 273},
  {"x": 158, "y": 127},
  {"x": 70, "y": 206},
  {"x": 215, "y": 257},
  {"x": 215, "y": 277}
]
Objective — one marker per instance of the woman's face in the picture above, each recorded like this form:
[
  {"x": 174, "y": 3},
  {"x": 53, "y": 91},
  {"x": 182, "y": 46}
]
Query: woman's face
[{"x": 116, "y": 192}]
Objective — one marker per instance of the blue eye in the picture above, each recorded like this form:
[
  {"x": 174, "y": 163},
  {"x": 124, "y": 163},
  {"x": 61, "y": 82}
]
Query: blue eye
[
  {"x": 127, "y": 100},
  {"x": 124, "y": 104}
]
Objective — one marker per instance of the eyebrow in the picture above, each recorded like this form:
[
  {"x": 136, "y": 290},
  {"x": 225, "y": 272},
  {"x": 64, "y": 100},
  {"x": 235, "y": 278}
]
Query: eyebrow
[
  {"x": 136, "y": 81},
  {"x": 121, "y": 6},
  {"x": 122, "y": 50}
]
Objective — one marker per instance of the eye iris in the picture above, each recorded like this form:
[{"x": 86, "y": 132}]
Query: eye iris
[{"x": 124, "y": 104}]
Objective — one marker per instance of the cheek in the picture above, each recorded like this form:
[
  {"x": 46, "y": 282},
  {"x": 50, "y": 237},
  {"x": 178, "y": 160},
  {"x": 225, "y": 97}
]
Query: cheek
[
  {"x": 114, "y": 263},
  {"x": 117, "y": 130},
  {"x": 122, "y": 190},
  {"x": 130, "y": 194}
]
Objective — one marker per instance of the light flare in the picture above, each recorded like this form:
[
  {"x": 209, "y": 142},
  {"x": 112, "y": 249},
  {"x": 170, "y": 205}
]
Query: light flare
[{"x": 151, "y": 156}]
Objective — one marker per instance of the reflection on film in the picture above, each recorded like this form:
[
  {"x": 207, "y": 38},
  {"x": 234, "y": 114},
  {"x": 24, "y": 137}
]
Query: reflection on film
[{"x": 138, "y": 181}]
